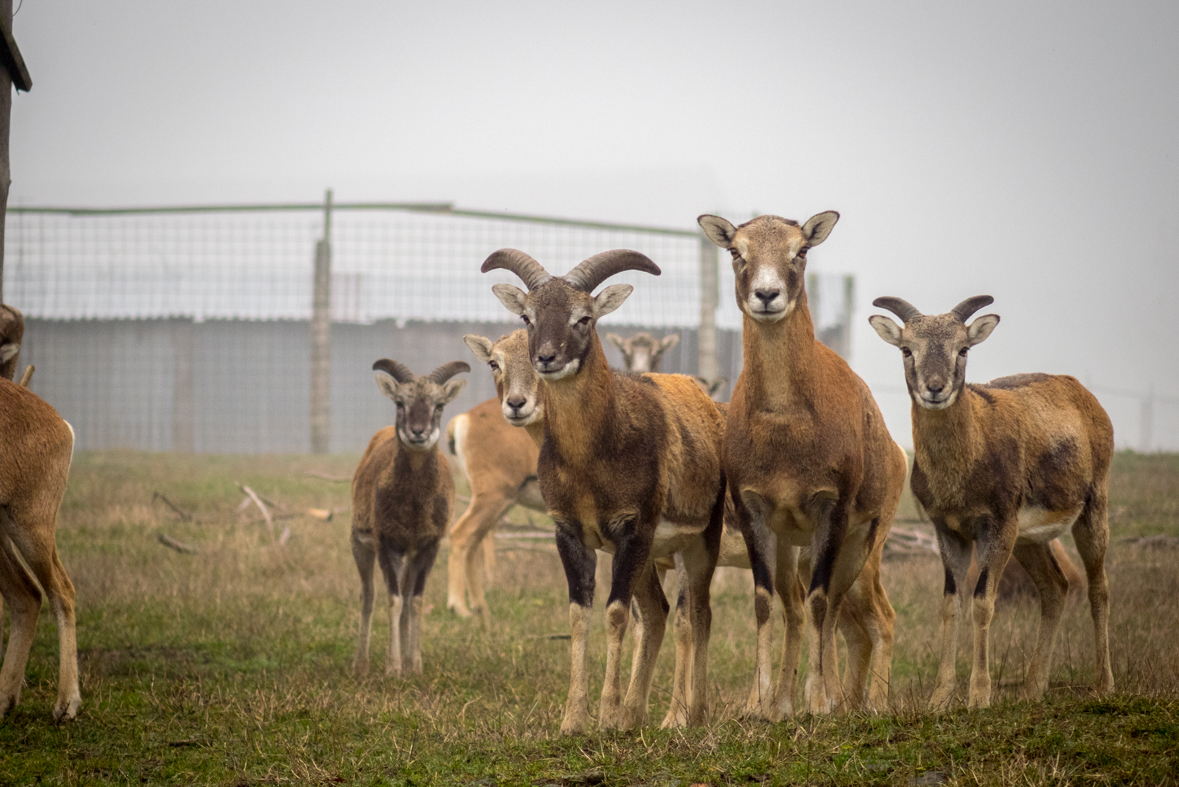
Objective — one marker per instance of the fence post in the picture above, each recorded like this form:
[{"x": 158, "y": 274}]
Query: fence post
[
  {"x": 183, "y": 400},
  {"x": 708, "y": 367},
  {"x": 1146, "y": 422},
  {"x": 849, "y": 302},
  {"x": 321, "y": 342}
]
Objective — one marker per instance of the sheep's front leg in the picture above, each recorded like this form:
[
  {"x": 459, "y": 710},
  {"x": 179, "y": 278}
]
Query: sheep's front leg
[
  {"x": 762, "y": 544},
  {"x": 580, "y": 563},
  {"x": 993, "y": 554},
  {"x": 392, "y": 562},
  {"x": 412, "y": 588},
  {"x": 364, "y": 553},
  {"x": 631, "y": 558},
  {"x": 955, "y": 552}
]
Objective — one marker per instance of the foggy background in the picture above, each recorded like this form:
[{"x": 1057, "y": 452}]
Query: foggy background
[{"x": 1022, "y": 151}]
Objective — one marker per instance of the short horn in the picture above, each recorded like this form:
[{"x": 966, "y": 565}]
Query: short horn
[
  {"x": 898, "y": 306},
  {"x": 969, "y": 306},
  {"x": 531, "y": 272},
  {"x": 395, "y": 369},
  {"x": 590, "y": 273},
  {"x": 448, "y": 370}
]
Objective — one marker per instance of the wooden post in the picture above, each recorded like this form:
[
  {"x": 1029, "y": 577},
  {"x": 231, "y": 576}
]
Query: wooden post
[
  {"x": 12, "y": 74},
  {"x": 849, "y": 296},
  {"x": 321, "y": 341},
  {"x": 708, "y": 366},
  {"x": 183, "y": 400}
]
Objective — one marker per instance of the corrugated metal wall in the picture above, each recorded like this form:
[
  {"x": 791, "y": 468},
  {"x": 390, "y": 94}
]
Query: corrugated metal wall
[{"x": 236, "y": 386}]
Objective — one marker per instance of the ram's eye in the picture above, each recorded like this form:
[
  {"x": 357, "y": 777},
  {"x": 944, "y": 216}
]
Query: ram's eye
[
  {"x": 527, "y": 321},
  {"x": 584, "y": 321},
  {"x": 963, "y": 351},
  {"x": 494, "y": 366},
  {"x": 905, "y": 351}
]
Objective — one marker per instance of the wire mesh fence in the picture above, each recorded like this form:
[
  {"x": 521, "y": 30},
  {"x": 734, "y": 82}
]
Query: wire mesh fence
[{"x": 189, "y": 329}]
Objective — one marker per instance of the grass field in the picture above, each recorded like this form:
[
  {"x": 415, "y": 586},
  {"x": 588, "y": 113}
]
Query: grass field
[{"x": 232, "y": 665}]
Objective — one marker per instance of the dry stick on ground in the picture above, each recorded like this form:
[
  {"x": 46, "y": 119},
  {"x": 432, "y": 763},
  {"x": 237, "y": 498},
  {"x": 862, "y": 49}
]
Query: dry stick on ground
[
  {"x": 180, "y": 512},
  {"x": 172, "y": 543},
  {"x": 335, "y": 479},
  {"x": 258, "y": 501}
]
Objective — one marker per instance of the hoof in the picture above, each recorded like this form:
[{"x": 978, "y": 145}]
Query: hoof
[{"x": 67, "y": 711}]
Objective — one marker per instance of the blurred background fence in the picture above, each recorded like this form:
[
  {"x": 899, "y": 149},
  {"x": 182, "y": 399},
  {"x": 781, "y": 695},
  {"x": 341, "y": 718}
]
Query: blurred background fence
[{"x": 253, "y": 329}]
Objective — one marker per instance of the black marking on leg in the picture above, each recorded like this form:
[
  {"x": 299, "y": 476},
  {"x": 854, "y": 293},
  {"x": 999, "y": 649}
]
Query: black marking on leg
[
  {"x": 423, "y": 561},
  {"x": 579, "y": 563},
  {"x": 980, "y": 589},
  {"x": 631, "y": 554},
  {"x": 392, "y": 563},
  {"x": 951, "y": 585}
]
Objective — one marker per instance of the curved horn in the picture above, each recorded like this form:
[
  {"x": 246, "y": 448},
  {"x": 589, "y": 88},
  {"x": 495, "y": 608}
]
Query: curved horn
[
  {"x": 898, "y": 306},
  {"x": 448, "y": 370},
  {"x": 531, "y": 272},
  {"x": 969, "y": 306},
  {"x": 590, "y": 273},
  {"x": 395, "y": 369}
]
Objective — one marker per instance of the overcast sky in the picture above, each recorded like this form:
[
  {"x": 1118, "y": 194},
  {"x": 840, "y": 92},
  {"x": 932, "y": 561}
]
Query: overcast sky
[{"x": 1021, "y": 150}]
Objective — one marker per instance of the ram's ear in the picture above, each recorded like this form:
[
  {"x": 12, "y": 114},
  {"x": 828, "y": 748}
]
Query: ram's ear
[
  {"x": 386, "y": 383},
  {"x": 451, "y": 390},
  {"x": 511, "y": 297},
  {"x": 480, "y": 346},
  {"x": 611, "y": 298},
  {"x": 819, "y": 226},
  {"x": 669, "y": 341},
  {"x": 616, "y": 340},
  {"x": 719, "y": 231},
  {"x": 888, "y": 330},
  {"x": 978, "y": 331},
  {"x": 8, "y": 351}
]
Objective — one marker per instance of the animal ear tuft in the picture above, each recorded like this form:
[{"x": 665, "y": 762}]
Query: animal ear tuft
[
  {"x": 719, "y": 231},
  {"x": 669, "y": 341},
  {"x": 451, "y": 390},
  {"x": 611, "y": 298},
  {"x": 616, "y": 340},
  {"x": 978, "y": 331},
  {"x": 386, "y": 383},
  {"x": 511, "y": 297},
  {"x": 888, "y": 330},
  {"x": 479, "y": 345},
  {"x": 819, "y": 226}
]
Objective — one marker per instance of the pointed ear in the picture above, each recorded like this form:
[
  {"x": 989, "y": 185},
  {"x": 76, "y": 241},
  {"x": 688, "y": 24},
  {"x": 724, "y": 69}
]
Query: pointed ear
[
  {"x": 719, "y": 231},
  {"x": 480, "y": 346},
  {"x": 511, "y": 297},
  {"x": 616, "y": 340},
  {"x": 8, "y": 351},
  {"x": 611, "y": 298},
  {"x": 978, "y": 331},
  {"x": 717, "y": 386},
  {"x": 386, "y": 383},
  {"x": 888, "y": 330},
  {"x": 451, "y": 390},
  {"x": 669, "y": 341},
  {"x": 819, "y": 226}
]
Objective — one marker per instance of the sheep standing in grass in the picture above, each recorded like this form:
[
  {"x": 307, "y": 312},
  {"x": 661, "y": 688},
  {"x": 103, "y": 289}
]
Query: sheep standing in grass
[
  {"x": 402, "y": 496},
  {"x": 1005, "y": 467}
]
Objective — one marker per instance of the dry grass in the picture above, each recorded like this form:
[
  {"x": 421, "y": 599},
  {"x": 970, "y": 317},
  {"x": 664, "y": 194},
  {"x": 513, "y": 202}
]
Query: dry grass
[{"x": 230, "y": 666}]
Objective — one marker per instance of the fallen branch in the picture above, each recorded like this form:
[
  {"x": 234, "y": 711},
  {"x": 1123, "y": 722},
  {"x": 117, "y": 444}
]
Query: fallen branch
[
  {"x": 910, "y": 542},
  {"x": 258, "y": 501},
  {"x": 179, "y": 546},
  {"x": 335, "y": 479},
  {"x": 184, "y": 515}
]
